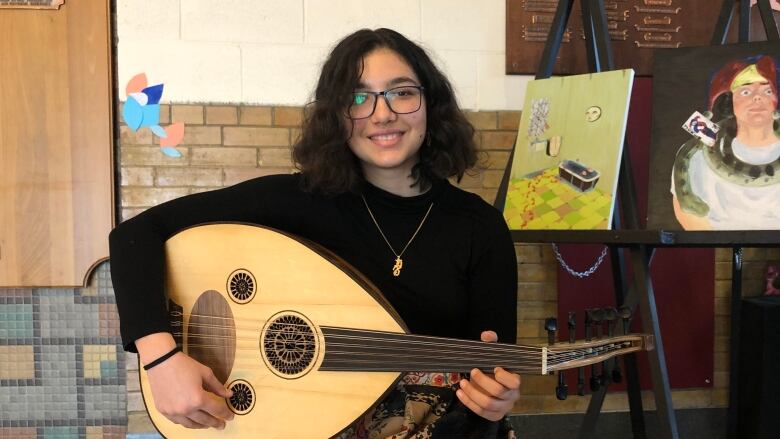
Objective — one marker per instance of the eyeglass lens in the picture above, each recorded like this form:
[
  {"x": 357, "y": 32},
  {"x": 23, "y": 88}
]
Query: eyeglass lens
[{"x": 401, "y": 100}]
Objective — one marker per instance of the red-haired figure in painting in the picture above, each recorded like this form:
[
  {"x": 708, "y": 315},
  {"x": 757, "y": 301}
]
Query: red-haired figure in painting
[{"x": 732, "y": 181}]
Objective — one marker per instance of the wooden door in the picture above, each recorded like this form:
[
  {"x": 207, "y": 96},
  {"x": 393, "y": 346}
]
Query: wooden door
[{"x": 56, "y": 128}]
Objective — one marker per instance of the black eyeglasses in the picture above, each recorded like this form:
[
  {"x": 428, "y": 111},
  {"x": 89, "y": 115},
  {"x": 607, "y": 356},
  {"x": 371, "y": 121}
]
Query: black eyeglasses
[{"x": 401, "y": 100}]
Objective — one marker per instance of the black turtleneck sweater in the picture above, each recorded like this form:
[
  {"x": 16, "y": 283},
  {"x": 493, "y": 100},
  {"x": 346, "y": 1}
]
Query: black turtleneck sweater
[{"x": 459, "y": 275}]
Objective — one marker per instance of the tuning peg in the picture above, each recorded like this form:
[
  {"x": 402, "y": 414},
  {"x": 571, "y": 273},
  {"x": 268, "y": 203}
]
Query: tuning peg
[
  {"x": 562, "y": 389},
  {"x": 624, "y": 313},
  {"x": 605, "y": 376},
  {"x": 551, "y": 326},
  {"x": 572, "y": 326},
  {"x": 596, "y": 317},
  {"x": 595, "y": 381},
  {"x": 588, "y": 325},
  {"x": 610, "y": 315},
  {"x": 581, "y": 381},
  {"x": 617, "y": 376}
]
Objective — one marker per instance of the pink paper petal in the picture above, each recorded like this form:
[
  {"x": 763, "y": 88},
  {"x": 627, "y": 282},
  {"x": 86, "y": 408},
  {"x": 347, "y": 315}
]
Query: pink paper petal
[
  {"x": 175, "y": 133},
  {"x": 136, "y": 84}
]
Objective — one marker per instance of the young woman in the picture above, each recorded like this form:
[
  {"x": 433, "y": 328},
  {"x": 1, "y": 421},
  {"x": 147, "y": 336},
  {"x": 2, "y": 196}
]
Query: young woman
[{"x": 377, "y": 147}]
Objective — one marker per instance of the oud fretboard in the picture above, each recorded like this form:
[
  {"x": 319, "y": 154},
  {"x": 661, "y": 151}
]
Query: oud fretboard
[{"x": 363, "y": 350}]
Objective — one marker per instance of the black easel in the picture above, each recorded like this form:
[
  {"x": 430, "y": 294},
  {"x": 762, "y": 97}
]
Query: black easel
[
  {"x": 640, "y": 292},
  {"x": 727, "y": 14},
  {"x": 626, "y": 233},
  {"x": 718, "y": 38}
]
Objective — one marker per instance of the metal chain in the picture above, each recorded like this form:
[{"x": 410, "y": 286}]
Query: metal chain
[
  {"x": 383, "y": 233},
  {"x": 579, "y": 274}
]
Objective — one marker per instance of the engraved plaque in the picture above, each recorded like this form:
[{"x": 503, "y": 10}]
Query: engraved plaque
[
  {"x": 636, "y": 28},
  {"x": 31, "y": 4}
]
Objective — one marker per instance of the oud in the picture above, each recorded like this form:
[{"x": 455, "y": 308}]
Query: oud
[{"x": 307, "y": 344}]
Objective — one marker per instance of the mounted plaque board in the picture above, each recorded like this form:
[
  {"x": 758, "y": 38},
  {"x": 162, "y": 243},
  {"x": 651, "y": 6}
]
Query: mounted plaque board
[
  {"x": 636, "y": 28},
  {"x": 31, "y": 4}
]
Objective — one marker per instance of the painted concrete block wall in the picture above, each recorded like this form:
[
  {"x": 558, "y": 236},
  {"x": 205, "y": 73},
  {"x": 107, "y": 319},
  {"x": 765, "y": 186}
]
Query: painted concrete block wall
[{"x": 269, "y": 52}]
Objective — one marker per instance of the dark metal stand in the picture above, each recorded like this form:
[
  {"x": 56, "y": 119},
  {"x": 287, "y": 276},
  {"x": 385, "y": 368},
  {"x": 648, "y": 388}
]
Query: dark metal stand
[
  {"x": 718, "y": 38},
  {"x": 727, "y": 14},
  {"x": 627, "y": 234},
  {"x": 736, "y": 311},
  {"x": 640, "y": 292}
]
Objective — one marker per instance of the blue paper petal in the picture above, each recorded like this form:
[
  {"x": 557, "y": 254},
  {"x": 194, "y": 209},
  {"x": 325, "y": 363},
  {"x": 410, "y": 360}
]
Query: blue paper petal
[
  {"x": 171, "y": 152},
  {"x": 159, "y": 131},
  {"x": 133, "y": 114},
  {"x": 141, "y": 98},
  {"x": 154, "y": 92},
  {"x": 151, "y": 115}
]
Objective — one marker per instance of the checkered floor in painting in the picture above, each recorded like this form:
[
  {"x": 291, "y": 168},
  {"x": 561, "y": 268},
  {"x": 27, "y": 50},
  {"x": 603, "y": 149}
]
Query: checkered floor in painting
[
  {"x": 62, "y": 368},
  {"x": 545, "y": 202}
]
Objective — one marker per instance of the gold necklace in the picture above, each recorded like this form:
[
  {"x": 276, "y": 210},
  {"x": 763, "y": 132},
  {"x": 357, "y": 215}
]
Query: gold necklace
[{"x": 399, "y": 263}]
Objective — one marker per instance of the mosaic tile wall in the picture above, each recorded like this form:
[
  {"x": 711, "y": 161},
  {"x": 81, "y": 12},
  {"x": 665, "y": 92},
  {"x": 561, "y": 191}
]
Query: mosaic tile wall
[{"x": 62, "y": 370}]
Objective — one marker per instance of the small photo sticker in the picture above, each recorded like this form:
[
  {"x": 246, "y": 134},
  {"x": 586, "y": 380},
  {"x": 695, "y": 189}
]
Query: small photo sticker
[{"x": 701, "y": 127}]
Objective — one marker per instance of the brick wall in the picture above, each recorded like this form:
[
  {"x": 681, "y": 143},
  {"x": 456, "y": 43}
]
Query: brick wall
[{"x": 226, "y": 144}]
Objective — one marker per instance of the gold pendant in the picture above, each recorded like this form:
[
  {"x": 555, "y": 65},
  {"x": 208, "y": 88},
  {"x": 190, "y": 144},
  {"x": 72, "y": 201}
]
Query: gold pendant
[{"x": 397, "y": 267}]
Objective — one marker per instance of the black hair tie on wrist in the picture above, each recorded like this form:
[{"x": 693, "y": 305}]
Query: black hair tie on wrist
[{"x": 163, "y": 358}]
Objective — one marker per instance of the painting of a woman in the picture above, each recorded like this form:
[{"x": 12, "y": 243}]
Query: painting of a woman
[{"x": 733, "y": 182}]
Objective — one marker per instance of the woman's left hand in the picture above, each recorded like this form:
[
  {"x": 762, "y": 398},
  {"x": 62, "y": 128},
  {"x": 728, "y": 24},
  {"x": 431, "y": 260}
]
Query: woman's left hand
[{"x": 491, "y": 396}]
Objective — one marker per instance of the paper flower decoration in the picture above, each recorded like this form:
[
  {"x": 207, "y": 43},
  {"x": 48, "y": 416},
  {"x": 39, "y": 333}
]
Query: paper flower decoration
[{"x": 142, "y": 110}]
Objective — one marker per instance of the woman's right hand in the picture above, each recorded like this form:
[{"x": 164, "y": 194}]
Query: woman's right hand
[
  {"x": 188, "y": 393},
  {"x": 184, "y": 390}
]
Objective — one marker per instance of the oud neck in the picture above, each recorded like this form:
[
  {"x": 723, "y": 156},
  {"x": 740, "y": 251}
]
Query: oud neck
[{"x": 364, "y": 350}]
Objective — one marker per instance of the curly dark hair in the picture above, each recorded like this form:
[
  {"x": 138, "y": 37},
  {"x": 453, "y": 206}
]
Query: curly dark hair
[{"x": 322, "y": 153}]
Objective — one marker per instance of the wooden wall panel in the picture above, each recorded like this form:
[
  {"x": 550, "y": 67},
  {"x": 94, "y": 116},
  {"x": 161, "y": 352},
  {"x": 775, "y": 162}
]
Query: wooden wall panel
[{"x": 56, "y": 160}]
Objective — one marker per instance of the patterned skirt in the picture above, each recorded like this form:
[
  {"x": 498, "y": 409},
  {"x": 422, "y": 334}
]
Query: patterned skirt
[{"x": 424, "y": 406}]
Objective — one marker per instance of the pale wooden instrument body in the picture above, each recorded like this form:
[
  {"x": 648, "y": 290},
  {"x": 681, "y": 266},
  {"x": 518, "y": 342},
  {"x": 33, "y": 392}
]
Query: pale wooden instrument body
[
  {"x": 238, "y": 336},
  {"x": 201, "y": 259}
]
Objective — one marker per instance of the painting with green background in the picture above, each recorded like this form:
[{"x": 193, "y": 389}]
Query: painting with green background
[{"x": 568, "y": 150}]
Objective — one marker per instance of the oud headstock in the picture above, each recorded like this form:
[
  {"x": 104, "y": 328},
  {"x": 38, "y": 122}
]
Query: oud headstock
[{"x": 607, "y": 337}]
